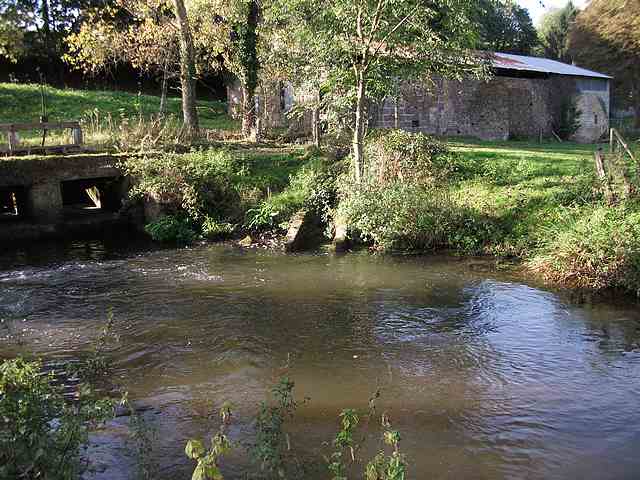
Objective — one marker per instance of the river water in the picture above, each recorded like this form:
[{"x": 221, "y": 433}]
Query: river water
[{"x": 485, "y": 377}]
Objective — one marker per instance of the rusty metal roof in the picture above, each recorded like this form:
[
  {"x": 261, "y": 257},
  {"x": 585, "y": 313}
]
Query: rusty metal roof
[{"x": 544, "y": 65}]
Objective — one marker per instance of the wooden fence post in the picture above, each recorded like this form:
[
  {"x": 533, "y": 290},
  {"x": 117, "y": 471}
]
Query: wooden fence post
[
  {"x": 76, "y": 135},
  {"x": 603, "y": 177},
  {"x": 13, "y": 139}
]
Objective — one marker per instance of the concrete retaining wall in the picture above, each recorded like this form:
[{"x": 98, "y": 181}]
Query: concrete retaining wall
[{"x": 39, "y": 181}]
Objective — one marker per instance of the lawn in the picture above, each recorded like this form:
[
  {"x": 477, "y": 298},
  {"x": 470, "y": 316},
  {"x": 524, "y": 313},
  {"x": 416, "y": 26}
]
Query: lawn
[
  {"x": 21, "y": 103},
  {"x": 522, "y": 187}
]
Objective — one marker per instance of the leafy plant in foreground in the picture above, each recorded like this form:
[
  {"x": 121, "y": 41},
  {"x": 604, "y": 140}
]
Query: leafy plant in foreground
[
  {"x": 207, "y": 460},
  {"x": 388, "y": 467},
  {"x": 40, "y": 432},
  {"x": 272, "y": 442},
  {"x": 344, "y": 440}
]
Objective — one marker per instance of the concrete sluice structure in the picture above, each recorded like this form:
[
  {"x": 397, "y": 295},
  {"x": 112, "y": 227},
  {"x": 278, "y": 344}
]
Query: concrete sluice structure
[{"x": 46, "y": 197}]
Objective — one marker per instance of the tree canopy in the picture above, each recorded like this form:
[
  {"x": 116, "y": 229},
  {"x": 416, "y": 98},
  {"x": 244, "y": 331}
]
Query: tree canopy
[
  {"x": 554, "y": 32},
  {"x": 506, "y": 27},
  {"x": 363, "y": 47}
]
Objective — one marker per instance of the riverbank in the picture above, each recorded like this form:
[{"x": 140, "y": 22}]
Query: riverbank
[
  {"x": 453, "y": 347},
  {"x": 538, "y": 203}
]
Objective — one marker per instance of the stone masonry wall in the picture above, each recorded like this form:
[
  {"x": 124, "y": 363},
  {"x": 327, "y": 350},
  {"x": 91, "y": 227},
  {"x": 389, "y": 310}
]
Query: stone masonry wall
[
  {"x": 501, "y": 109},
  {"x": 497, "y": 110}
]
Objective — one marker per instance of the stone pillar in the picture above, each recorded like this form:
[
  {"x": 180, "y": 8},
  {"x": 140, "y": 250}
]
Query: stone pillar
[{"x": 45, "y": 202}]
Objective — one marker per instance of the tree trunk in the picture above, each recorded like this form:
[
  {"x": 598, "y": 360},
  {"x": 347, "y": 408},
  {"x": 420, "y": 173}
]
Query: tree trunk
[
  {"x": 396, "y": 112},
  {"x": 358, "y": 131},
  {"x": 315, "y": 126},
  {"x": 250, "y": 67},
  {"x": 315, "y": 122},
  {"x": 163, "y": 94},
  {"x": 248, "y": 112},
  {"x": 187, "y": 72},
  {"x": 636, "y": 109}
]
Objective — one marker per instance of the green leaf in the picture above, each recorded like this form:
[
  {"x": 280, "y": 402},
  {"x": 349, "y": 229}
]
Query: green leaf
[{"x": 194, "y": 450}]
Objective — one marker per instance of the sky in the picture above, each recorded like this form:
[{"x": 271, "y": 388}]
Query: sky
[{"x": 536, "y": 10}]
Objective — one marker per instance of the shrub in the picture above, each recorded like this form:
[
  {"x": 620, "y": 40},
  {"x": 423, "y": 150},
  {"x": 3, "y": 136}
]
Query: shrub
[
  {"x": 404, "y": 200},
  {"x": 569, "y": 120},
  {"x": 172, "y": 229},
  {"x": 396, "y": 155},
  {"x": 312, "y": 187},
  {"x": 199, "y": 183},
  {"x": 213, "y": 229},
  {"x": 40, "y": 433},
  {"x": 593, "y": 248},
  {"x": 414, "y": 217}
]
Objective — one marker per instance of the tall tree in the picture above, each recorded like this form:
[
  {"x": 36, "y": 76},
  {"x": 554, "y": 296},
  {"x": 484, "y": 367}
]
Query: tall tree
[
  {"x": 243, "y": 60},
  {"x": 187, "y": 71},
  {"x": 147, "y": 34},
  {"x": 554, "y": 32},
  {"x": 606, "y": 37},
  {"x": 13, "y": 21},
  {"x": 37, "y": 28},
  {"x": 241, "y": 26},
  {"x": 506, "y": 27},
  {"x": 364, "y": 46}
]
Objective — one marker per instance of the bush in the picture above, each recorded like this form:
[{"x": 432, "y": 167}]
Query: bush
[
  {"x": 199, "y": 183},
  {"x": 172, "y": 229},
  {"x": 213, "y": 229},
  {"x": 569, "y": 120},
  {"x": 312, "y": 187},
  {"x": 593, "y": 248},
  {"x": 40, "y": 433},
  {"x": 413, "y": 217},
  {"x": 396, "y": 155},
  {"x": 404, "y": 200}
]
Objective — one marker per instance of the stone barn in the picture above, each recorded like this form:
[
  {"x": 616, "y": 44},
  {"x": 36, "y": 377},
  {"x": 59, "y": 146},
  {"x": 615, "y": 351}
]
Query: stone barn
[{"x": 523, "y": 100}]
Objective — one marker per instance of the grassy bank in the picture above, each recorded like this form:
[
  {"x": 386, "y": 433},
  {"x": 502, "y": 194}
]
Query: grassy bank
[
  {"x": 103, "y": 113},
  {"x": 537, "y": 202}
]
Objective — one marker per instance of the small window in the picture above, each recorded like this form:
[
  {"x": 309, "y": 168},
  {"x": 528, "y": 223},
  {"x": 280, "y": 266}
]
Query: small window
[
  {"x": 595, "y": 119},
  {"x": 415, "y": 123}
]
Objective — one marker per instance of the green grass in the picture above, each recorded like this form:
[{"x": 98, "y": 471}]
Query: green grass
[
  {"x": 102, "y": 112},
  {"x": 22, "y": 103},
  {"x": 548, "y": 211},
  {"x": 522, "y": 186}
]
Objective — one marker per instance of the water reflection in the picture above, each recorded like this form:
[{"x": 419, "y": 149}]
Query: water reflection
[{"x": 485, "y": 376}]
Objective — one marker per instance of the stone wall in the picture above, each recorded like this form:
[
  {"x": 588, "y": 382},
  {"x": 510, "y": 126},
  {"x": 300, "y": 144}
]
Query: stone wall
[
  {"x": 593, "y": 102},
  {"x": 41, "y": 180},
  {"x": 500, "y": 109},
  {"x": 275, "y": 100}
]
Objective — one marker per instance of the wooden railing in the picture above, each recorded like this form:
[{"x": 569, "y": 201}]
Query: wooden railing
[
  {"x": 12, "y": 129},
  {"x": 613, "y": 169}
]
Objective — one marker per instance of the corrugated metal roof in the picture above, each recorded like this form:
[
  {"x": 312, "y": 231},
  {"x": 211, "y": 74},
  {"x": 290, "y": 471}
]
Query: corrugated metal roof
[{"x": 543, "y": 65}]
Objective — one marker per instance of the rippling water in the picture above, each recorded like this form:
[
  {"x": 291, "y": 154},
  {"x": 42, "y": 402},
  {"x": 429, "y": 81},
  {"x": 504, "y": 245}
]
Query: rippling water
[{"x": 486, "y": 377}]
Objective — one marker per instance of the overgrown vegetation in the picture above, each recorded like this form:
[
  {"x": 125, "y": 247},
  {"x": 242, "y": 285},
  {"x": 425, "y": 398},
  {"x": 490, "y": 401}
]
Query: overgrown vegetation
[
  {"x": 41, "y": 432},
  {"x": 406, "y": 200},
  {"x": 215, "y": 193},
  {"x": 538, "y": 202}
]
